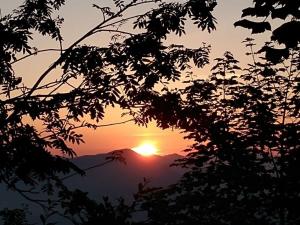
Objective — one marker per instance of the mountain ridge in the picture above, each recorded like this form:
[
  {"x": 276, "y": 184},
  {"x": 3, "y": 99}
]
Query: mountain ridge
[
  {"x": 113, "y": 180},
  {"x": 128, "y": 150},
  {"x": 117, "y": 179}
]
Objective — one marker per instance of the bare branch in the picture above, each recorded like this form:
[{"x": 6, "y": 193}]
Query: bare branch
[
  {"x": 36, "y": 52},
  {"x": 87, "y": 169},
  {"x": 114, "y": 31}
]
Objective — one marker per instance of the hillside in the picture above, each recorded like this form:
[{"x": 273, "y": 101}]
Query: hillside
[
  {"x": 114, "y": 180},
  {"x": 118, "y": 179}
]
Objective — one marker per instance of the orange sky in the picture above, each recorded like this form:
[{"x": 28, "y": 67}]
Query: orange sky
[{"x": 80, "y": 17}]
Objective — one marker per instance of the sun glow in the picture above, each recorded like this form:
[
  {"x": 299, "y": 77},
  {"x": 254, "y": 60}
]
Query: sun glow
[{"x": 146, "y": 149}]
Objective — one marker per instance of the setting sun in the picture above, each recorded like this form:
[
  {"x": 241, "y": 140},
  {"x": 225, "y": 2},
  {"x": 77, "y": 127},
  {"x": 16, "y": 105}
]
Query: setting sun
[{"x": 146, "y": 149}]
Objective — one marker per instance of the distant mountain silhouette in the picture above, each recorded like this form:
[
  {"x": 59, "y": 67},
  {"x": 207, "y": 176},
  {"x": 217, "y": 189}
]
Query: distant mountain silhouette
[
  {"x": 114, "y": 179},
  {"x": 118, "y": 179}
]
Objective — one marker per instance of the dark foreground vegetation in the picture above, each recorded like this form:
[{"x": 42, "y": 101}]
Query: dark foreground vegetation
[{"x": 243, "y": 166}]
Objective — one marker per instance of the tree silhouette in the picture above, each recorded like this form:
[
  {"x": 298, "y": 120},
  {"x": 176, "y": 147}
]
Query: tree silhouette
[
  {"x": 14, "y": 217},
  {"x": 243, "y": 165},
  {"x": 245, "y": 124},
  {"x": 122, "y": 73},
  {"x": 287, "y": 11}
]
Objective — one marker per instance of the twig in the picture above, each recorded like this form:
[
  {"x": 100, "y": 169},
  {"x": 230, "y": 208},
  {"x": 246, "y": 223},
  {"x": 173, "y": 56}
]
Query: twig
[
  {"x": 87, "y": 169},
  {"x": 36, "y": 52}
]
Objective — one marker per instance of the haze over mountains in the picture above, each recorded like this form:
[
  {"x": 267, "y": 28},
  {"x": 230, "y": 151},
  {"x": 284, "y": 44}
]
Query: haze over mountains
[
  {"x": 114, "y": 179},
  {"x": 118, "y": 179}
]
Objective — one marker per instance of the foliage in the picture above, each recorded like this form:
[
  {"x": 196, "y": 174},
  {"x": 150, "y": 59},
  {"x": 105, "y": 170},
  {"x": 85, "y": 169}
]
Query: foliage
[
  {"x": 245, "y": 123},
  {"x": 244, "y": 161},
  {"x": 13, "y": 217},
  {"x": 80, "y": 209},
  {"x": 126, "y": 72},
  {"x": 287, "y": 34}
]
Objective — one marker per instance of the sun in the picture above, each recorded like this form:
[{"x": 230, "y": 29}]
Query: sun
[{"x": 146, "y": 149}]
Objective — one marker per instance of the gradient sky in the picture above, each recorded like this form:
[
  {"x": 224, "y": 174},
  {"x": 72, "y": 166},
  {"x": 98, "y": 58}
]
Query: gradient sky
[{"x": 80, "y": 17}]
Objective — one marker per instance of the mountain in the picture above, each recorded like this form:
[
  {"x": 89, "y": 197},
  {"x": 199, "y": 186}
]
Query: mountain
[
  {"x": 114, "y": 179},
  {"x": 119, "y": 179}
]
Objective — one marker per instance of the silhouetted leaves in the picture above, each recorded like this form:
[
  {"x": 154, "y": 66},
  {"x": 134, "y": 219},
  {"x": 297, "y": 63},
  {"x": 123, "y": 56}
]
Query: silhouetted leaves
[
  {"x": 39, "y": 119},
  {"x": 80, "y": 209},
  {"x": 13, "y": 217},
  {"x": 244, "y": 123},
  {"x": 275, "y": 55},
  {"x": 288, "y": 31},
  {"x": 256, "y": 27},
  {"x": 170, "y": 17},
  {"x": 246, "y": 140},
  {"x": 280, "y": 34},
  {"x": 200, "y": 11},
  {"x": 259, "y": 11}
]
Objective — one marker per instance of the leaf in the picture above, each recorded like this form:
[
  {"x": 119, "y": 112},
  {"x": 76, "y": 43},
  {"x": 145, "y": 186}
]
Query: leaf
[
  {"x": 275, "y": 55},
  {"x": 283, "y": 34},
  {"x": 262, "y": 11},
  {"x": 256, "y": 27},
  {"x": 268, "y": 72}
]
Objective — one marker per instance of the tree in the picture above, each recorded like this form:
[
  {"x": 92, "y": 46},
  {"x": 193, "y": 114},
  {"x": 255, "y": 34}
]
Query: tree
[
  {"x": 123, "y": 73},
  {"x": 246, "y": 128},
  {"x": 14, "y": 217},
  {"x": 287, "y": 11}
]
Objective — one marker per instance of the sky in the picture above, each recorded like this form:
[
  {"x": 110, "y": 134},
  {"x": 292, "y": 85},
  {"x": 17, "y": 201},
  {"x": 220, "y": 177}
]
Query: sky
[{"x": 80, "y": 16}]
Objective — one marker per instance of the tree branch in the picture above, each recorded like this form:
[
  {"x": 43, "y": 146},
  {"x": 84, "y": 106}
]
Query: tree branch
[
  {"x": 68, "y": 50},
  {"x": 36, "y": 52}
]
